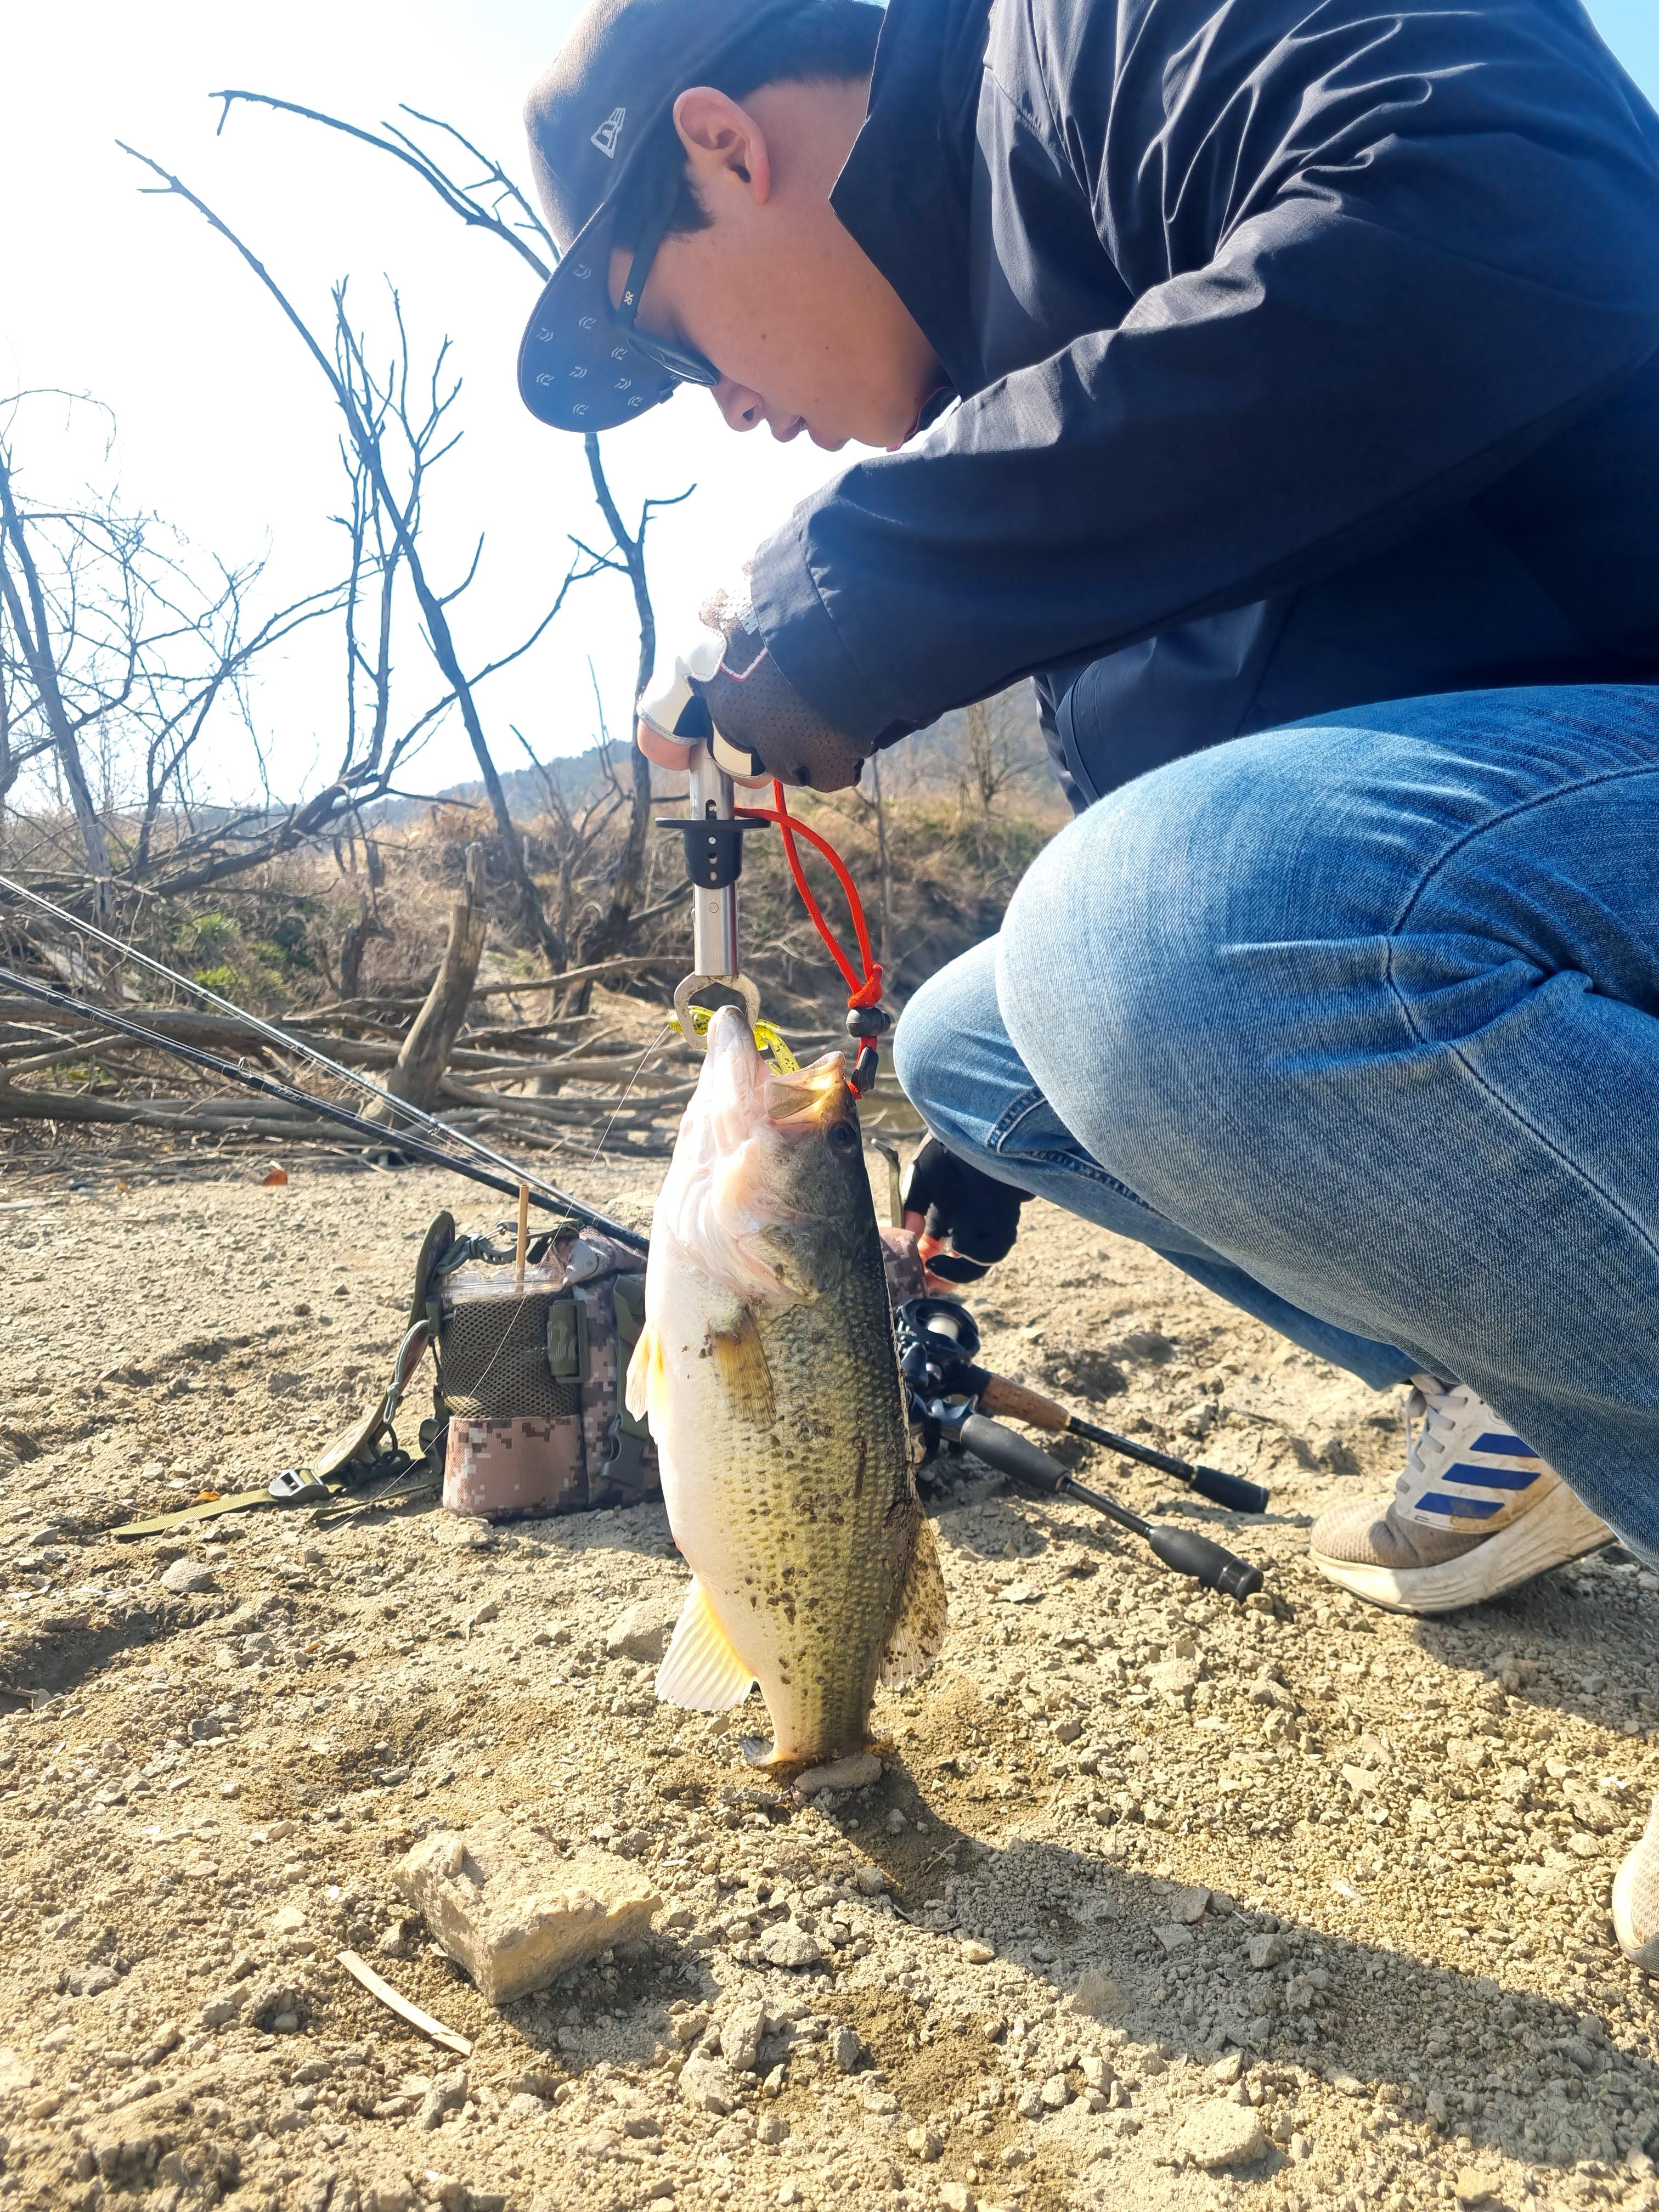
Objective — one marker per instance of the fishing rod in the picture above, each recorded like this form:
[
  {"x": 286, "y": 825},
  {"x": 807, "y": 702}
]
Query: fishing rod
[
  {"x": 285, "y": 1042},
  {"x": 293, "y": 1094},
  {"x": 937, "y": 1339}
]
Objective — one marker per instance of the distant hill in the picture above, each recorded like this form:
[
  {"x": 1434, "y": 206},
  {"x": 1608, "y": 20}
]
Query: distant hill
[{"x": 1006, "y": 746}]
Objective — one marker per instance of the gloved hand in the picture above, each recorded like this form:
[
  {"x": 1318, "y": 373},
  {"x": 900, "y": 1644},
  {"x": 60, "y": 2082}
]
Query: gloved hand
[
  {"x": 729, "y": 684},
  {"x": 947, "y": 1200}
]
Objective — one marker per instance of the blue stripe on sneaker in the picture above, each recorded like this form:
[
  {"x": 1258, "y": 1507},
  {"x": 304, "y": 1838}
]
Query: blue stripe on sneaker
[
  {"x": 1508, "y": 1447},
  {"x": 1492, "y": 1477},
  {"x": 1458, "y": 1508}
]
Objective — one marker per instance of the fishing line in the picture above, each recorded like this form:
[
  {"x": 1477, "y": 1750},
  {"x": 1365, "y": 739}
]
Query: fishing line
[
  {"x": 298, "y": 1046},
  {"x": 293, "y": 1094}
]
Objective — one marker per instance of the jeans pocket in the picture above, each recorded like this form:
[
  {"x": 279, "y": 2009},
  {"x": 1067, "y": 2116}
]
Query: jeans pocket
[{"x": 1032, "y": 1134}]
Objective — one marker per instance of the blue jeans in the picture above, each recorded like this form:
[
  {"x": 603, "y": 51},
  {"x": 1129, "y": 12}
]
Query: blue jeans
[{"x": 1357, "y": 1022}]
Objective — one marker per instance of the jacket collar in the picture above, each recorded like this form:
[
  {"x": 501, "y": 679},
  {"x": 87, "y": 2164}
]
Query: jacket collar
[{"x": 904, "y": 193}]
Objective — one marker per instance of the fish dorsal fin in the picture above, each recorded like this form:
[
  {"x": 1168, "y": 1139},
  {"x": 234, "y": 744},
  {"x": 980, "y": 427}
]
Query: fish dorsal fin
[
  {"x": 920, "y": 1629},
  {"x": 645, "y": 1370},
  {"x": 701, "y": 1671},
  {"x": 739, "y": 1360}
]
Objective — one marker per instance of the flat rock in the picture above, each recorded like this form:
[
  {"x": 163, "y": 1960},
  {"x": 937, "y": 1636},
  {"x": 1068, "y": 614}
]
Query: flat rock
[
  {"x": 741, "y": 2035},
  {"x": 185, "y": 1578},
  {"x": 785, "y": 1945},
  {"x": 1219, "y": 2133},
  {"x": 1096, "y": 1995},
  {"x": 641, "y": 1631},
  {"x": 1189, "y": 1904},
  {"x": 513, "y": 1914},
  {"x": 1176, "y": 1678},
  {"x": 1176, "y": 1936},
  {"x": 708, "y": 2084},
  {"x": 856, "y": 1771}
]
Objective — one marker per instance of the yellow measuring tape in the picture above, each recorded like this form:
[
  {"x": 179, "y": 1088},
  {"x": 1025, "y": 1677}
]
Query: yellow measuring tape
[{"x": 767, "y": 1040}]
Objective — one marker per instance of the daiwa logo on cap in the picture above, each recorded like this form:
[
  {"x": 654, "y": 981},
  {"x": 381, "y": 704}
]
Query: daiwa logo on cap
[{"x": 609, "y": 132}]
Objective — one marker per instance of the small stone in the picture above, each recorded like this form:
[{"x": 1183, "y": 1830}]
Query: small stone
[
  {"x": 1021, "y": 1593},
  {"x": 789, "y": 2192},
  {"x": 1219, "y": 2133},
  {"x": 1301, "y": 2147},
  {"x": 188, "y": 1578},
  {"x": 1069, "y": 1730},
  {"x": 871, "y": 1880},
  {"x": 515, "y": 1917},
  {"x": 1227, "y": 2070},
  {"x": 975, "y": 1953},
  {"x": 1471, "y": 2188},
  {"x": 923, "y": 2143},
  {"x": 1029, "y": 2103},
  {"x": 1188, "y": 1905},
  {"x": 489, "y": 1610},
  {"x": 896, "y": 1823},
  {"x": 1175, "y": 1937},
  {"x": 788, "y": 1945},
  {"x": 1055, "y": 2094},
  {"x": 845, "y": 2048},
  {"x": 856, "y": 1771},
  {"x": 708, "y": 2084},
  {"x": 772, "y": 2129},
  {"x": 1176, "y": 1678},
  {"x": 1265, "y": 1951},
  {"x": 1096, "y": 1995},
  {"x": 956, "y": 2196},
  {"x": 288, "y": 1921},
  {"x": 641, "y": 1631},
  {"x": 741, "y": 2037}
]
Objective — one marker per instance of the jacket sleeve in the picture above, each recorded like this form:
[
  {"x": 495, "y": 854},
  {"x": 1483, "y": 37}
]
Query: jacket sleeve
[{"x": 1371, "y": 269}]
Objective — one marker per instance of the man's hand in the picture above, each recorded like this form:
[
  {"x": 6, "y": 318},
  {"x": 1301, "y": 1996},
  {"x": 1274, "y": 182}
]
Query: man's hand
[
  {"x": 730, "y": 688},
  {"x": 947, "y": 1200}
]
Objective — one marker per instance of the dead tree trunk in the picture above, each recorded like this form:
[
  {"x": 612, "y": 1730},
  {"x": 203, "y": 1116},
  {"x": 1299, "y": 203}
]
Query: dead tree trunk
[
  {"x": 35, "y": 638},
  {"x": 425, "y": 1055}
]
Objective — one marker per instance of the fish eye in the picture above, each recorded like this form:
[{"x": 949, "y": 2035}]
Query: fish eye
[{"x": 844, "y": 1135}]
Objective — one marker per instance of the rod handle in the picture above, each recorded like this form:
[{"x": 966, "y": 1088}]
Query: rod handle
[
  {"x": 1014, "y": 1401},
  {"x": 1190, "y": 1553},
  {"x": 1232, "y": 1490},
  {"x": 1012, "y": 1455}
]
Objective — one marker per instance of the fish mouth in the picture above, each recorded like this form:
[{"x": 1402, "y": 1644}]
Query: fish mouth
[
  {"x": 802, "y": 1103},
  {"x": 724, "y": 1196}
]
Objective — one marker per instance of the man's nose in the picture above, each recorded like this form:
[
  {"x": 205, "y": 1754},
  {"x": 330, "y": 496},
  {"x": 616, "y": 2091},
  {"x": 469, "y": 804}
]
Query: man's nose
[{"x": 742, "y": 408}]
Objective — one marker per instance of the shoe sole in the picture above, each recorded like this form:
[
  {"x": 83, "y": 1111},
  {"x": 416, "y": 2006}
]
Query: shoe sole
[{"x": 1557, "y": 1531}]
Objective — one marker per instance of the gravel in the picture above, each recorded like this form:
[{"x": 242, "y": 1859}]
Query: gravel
[{"x": 1292, "y": 1892}]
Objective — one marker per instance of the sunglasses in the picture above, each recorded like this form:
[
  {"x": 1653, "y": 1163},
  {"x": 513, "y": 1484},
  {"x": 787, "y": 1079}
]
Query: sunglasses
[{"x": 683, "y": 363}]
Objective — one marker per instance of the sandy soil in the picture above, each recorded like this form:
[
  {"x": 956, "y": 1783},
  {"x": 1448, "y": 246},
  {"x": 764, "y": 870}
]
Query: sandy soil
[{"x": 1151, "y": 1881}]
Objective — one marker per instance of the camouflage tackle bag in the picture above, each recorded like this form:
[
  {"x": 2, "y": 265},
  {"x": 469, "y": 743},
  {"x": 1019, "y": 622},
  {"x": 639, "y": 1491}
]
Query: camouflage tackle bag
[{"x": 528, "y": 1412}]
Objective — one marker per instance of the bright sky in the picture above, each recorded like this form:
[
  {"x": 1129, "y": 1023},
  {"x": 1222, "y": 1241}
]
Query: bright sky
[{"x": 224, "y": 426}]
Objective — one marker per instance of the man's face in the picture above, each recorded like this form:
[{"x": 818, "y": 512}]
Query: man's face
[{"x": 806, "y": 332}]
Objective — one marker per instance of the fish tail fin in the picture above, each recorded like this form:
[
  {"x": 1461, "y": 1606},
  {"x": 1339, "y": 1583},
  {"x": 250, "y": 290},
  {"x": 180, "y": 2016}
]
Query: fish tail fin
[
  {"x": 919, "y": 1631},
  {"x": 700, "y": 1670}
]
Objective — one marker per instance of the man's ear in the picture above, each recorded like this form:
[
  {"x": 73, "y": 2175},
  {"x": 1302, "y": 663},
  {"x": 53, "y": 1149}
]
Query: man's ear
[{"x": 724, "y": 145}]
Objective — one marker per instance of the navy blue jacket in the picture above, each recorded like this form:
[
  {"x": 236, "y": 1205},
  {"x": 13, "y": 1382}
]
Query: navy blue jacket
[{"x": 1307, "y": 354}]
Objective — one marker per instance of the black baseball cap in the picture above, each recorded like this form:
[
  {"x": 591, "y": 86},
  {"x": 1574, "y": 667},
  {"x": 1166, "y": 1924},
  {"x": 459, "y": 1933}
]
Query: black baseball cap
[{"x": 590, "y": 118}]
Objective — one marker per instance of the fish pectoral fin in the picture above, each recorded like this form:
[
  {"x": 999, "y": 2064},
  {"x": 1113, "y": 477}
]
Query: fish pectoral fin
[
  {"x": 700, "y": 1670},
  {"x": 645, "y": 1367},
  {"x": 739, "y": 1360},
  {"x": 919, "y": 1631}
]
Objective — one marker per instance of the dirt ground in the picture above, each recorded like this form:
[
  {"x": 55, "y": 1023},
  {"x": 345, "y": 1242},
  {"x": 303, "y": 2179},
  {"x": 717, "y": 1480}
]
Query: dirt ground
[{"x": 1153, "y": 1882}]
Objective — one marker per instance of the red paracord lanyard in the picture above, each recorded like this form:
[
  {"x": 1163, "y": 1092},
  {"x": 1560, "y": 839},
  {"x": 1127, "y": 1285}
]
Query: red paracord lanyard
[{"x": 864, "y": 1020}]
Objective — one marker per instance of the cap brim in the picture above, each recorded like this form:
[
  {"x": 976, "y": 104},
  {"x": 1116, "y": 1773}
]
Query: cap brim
[{"x": 576, "y": 368}]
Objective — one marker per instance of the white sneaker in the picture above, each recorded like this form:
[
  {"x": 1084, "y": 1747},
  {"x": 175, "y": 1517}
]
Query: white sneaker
[
  {"x": 1636, "y": 1897},
  {"x": 1476, "y": 1512}
]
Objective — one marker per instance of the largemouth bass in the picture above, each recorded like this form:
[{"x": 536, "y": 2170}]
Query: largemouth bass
[{"x": 767, "y": 1371}]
